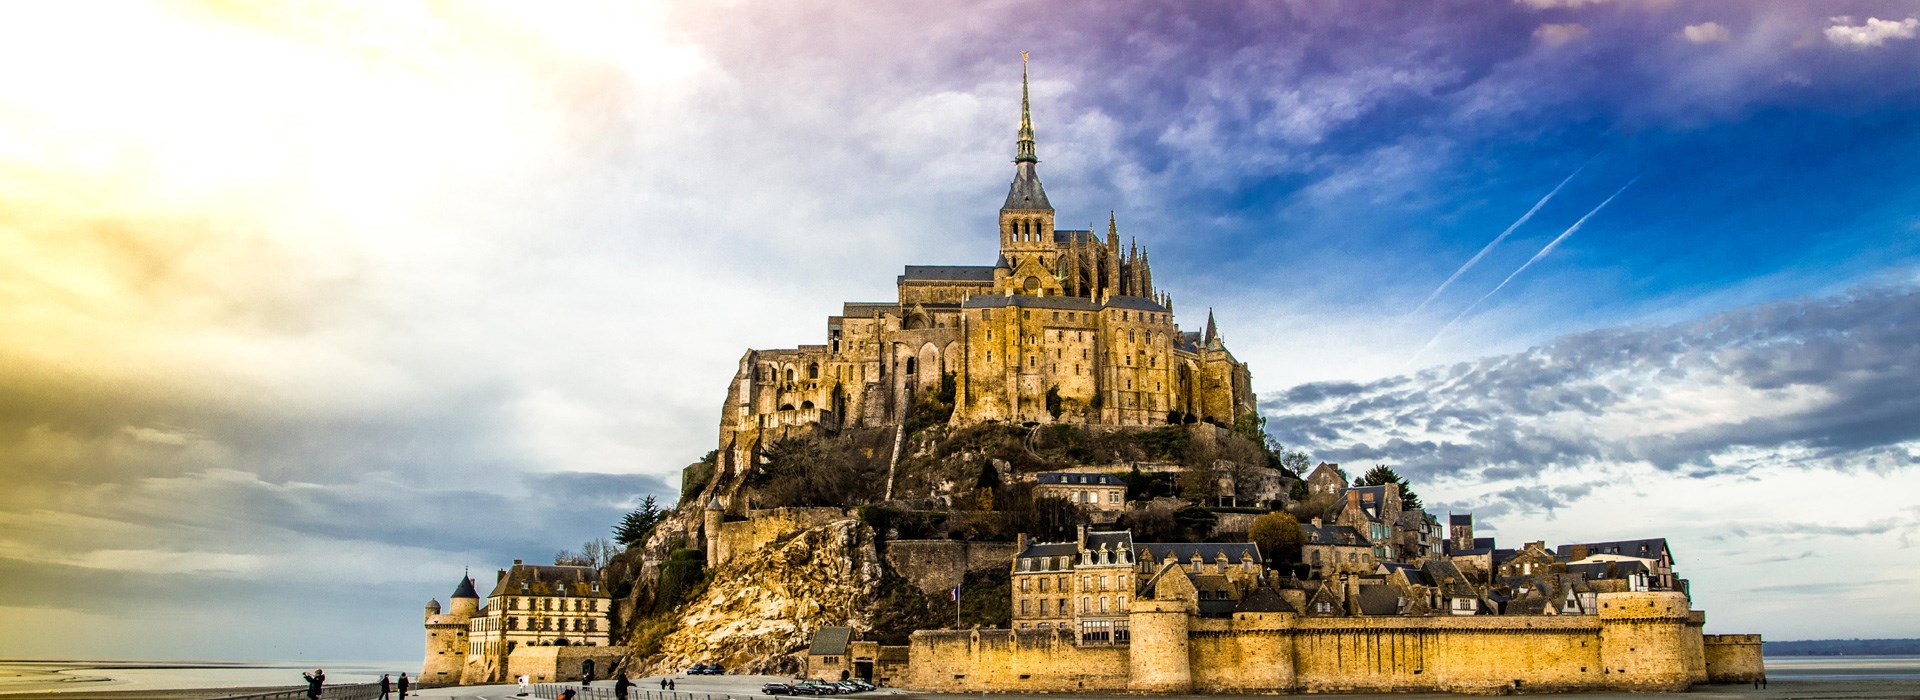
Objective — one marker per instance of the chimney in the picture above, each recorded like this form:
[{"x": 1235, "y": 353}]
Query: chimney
[
  {"x": 501, "y": 577},
  {"x": 1353, "y": 498},
  {"x": 1020, "y": 544},
  {"x": 516, "y": 562},
  {"x": 1082, "y": 528}
]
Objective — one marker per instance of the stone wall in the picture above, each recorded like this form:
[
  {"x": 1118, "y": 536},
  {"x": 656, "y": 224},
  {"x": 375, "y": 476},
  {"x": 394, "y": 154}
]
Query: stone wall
[
  {"x": 1733, "y": 658},
  {"x": 1010, "y": 660},
  {"x": 555, "y": 664},
  {"x": 936, "y": 566},
  {"x": 1641, "y": 641}
]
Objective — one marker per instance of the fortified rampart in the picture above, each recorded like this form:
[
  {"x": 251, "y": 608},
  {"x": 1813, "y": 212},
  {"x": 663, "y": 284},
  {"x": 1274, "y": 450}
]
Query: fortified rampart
[
  {"x": 1646, "y": 641},
  {"x": 1733, "y": 658},
  {"x": 936, "y": 566}
]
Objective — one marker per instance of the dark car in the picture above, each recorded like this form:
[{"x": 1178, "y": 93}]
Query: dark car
[
  {"x": 716, "y": 670},
  {"x": 777, "y": 689},
  {"x": 816, "y": 686},
  {"x": 861, "y": 684},
  {"x": 848, "y": 687},
  {"x": 697, "y": 670}
]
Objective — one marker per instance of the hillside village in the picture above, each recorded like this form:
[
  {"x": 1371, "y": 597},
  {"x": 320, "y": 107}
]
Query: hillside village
[{"x": 1028, "y": 477}]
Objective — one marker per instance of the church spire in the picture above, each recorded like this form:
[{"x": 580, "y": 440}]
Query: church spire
[
  {"x": 1026, "y": 194},
  {"x": 1024, "y": 152}
]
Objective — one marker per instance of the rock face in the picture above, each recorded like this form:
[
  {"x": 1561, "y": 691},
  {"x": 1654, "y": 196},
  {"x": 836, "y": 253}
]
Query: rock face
[{"x": 763, "y": 606}]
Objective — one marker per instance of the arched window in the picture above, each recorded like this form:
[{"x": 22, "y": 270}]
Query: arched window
[
  {"x": 813, "y": 371},
  {"x": 789, "y": 374},
  {"x": 806, "y": 405}
]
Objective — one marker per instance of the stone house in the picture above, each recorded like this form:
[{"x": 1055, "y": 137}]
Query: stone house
[
  {"x": 1103, "y": 494},
  {"x": 1326, "y": 480},
  {"x": 1330, "y": 550}
]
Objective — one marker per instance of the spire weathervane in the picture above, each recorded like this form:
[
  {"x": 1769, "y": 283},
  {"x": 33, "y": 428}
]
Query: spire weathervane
[{"x": 1024, "y": 153}]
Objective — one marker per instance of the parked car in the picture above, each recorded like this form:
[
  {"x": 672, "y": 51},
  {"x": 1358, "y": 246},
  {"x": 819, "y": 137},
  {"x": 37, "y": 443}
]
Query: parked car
[
  {"x": 848, "y": 687},
  {"x": 697, "y": 670},
  {"x": 777, "y": 689},
  {"x": 815, "y": 686},
  {"x": 716, "y": 670},
  {"x": 861, "y": 684}
]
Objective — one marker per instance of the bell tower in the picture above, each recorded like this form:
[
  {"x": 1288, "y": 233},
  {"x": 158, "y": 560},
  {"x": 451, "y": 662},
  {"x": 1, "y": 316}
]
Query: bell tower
[{"x": 1028, "y": 253}]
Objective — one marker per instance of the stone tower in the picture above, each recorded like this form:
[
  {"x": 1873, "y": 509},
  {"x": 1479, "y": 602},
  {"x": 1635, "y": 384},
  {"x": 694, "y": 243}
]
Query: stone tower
[
  {"x": 1649, "y": 641},
  {"x": 1459, "y": 531},
  {"x": 711, "y": 525},
  {"x": 447, "y": 634}
]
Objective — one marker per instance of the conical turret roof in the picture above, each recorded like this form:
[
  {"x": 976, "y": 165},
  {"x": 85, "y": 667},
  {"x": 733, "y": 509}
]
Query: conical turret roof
[{"x": 465, "y": 590}]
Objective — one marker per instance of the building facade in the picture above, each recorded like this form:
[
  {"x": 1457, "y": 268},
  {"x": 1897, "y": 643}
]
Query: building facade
[{"x": 534, "y": 606}]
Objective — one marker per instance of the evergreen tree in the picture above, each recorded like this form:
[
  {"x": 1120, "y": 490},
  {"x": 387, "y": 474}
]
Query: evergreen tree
[
  {"x": 1381, "y": 475},
  {"x": 635, "y": 527}
]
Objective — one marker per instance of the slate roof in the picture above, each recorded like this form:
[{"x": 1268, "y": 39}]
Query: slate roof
[
  {"x": 465, "y": 589},
  {"x": 1187, "y": 340},
  {"x": 1065, "y": 235},
  {"x": 830, "y": 641},
  {"x": 1378, "y": 599},
  {"x": 1648, "y": 548},
  {"x": 996, "y": 301},
  {"x": 1605, "y": 570},
  {"x": 948, "y": 273},
  {"x": 1264, "y": 599},
  {"x": 535, "y": 580},
  {"x": 1114, "y": 541},
  {"x": 1460, "y": 519},
  {"x": 1026, "y": 193},
  {"x": 1208, "y": 551},
  {"x": 1341, "y": 535},
  {"x": 1077, "y": 478},
  {"x": 1448, "y": 578},
  {"x": 1133, "y": 302}
]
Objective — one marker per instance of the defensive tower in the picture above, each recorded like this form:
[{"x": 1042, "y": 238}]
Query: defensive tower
[{"x": 447, "y": 634}]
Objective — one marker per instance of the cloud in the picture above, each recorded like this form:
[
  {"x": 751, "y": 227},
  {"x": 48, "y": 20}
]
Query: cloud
[
  {"x": 1560, "y": 34},
  {"x": 1706, "y": 33},
  {"x": 1874, "y": 32},
  {"x": 1808, "y": 383}
]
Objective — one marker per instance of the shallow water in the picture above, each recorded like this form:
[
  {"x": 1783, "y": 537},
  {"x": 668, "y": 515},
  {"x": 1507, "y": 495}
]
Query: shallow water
[{"x": 69, "y": 676}]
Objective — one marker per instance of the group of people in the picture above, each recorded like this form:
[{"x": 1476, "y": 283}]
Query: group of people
[{"x": 317, "y": 681}]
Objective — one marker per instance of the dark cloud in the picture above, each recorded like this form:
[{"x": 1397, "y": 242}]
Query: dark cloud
[{"x": 1822, "y": 383}]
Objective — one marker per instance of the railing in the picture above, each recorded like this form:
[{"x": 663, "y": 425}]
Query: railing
[
  {"x": 357, "y": 691},
  {"x": 603, "y": 690}
]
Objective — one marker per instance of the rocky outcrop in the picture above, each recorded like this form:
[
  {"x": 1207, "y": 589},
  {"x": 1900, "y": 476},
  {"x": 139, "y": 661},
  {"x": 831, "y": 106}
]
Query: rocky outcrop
[{"x": 763, "y": 606}]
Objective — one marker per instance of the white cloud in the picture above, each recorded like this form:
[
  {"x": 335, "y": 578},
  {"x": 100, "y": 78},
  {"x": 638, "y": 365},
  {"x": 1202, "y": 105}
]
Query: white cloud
[
  {"x": 1706, "y": 33},
  {"x": 1559, "y": 34},
  {"x": 1874, "y": 33}
]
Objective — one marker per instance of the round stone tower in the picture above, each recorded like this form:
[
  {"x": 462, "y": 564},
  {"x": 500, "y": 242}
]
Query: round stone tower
[
  {"x": 1159, "y": 650},
  {"x": 711, "y": 524},
  {"x": 447, "y": 634},
  {"x": 1644, "y": 640}
]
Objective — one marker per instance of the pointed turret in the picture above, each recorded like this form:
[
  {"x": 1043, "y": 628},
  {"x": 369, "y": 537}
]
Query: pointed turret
[
  {"x": 465, "y": 589},
  {"x": 1026, "y": 192},
  {"x": 1212, "y": 333}
]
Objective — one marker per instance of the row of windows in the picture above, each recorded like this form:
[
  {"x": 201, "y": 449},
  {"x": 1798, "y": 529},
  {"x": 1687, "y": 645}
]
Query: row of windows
[
  {"x": 578, "y": 605},
  {"x": 1088, "y": 605},
  {"x": 1087, "y": 582},
  {"x": 543, "y": 624},
  {"x": 987, "y": 314}
]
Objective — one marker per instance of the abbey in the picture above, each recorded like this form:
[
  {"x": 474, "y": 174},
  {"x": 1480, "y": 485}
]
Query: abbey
[{"x": 1066, "y": 326}]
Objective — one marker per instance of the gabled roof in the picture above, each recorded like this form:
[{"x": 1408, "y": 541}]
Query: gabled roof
[
  {"x": 1338, "y": 535},
  {"x": 831, "y": 641},
  {"x": 1264, "y": 599},
  {"x": 1378, "y": 599}
]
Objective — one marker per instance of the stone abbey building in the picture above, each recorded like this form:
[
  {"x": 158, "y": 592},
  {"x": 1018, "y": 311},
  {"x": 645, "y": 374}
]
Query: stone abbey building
[{"x": 1067, "y": 314}]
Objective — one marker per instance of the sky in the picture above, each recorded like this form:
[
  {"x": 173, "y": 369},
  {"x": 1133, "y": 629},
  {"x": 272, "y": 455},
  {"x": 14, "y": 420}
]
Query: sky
[{"x": 305, "y": 308}]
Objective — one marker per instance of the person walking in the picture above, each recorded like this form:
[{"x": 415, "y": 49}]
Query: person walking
[
  {"x": 621, "y": 685},
  {"x": 523, "y": 685},
  {"x": 663, "y": 682},
  {"x": 316, "y": 681},
  {"x": 669, "y": 684},
  {"x": 403, "y": 685},
  {"x": 386, "y": 686}
]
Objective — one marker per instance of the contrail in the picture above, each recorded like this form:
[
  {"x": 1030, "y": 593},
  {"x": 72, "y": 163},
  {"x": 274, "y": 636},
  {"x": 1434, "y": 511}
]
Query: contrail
[
  {"x": 1497, "y": 239},
  {"x": 1523, "y": 268}
]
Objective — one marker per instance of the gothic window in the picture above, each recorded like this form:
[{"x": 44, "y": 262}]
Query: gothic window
[
  {"x": 813, "y": 371},
  {"x": 789, "y": 374}
]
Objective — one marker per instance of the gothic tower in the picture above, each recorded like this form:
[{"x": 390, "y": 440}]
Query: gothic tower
[{"x": 1028, "y": 254}]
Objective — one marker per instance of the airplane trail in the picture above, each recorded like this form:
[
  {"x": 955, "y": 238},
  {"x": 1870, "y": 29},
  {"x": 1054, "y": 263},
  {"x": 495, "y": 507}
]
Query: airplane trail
[
  {"x": 1516, "y": 273},
  {"x": 1497, "y": 239}
]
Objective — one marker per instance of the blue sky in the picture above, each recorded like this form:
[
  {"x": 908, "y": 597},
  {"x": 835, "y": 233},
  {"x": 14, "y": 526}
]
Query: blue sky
[{"x": 304, "y": 309}]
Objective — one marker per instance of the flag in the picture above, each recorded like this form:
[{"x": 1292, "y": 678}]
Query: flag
[{"x": 955, "y": 595}]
